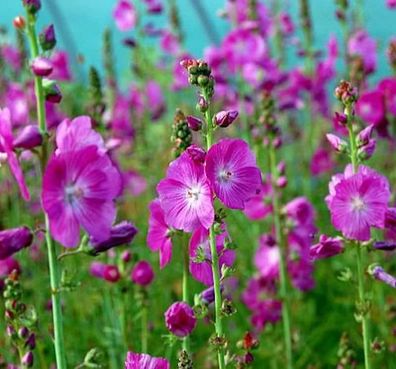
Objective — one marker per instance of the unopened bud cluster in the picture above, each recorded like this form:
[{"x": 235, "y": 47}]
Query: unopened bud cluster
[{"x": 181, "y": 134}]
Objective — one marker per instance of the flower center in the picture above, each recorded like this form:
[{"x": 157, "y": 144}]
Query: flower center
[
  {"x": 193, "y": 194},
  {"x": 358, "y": 204},
  {"x": 225, "y": 175},
  {"x": 73, "y": 193}
]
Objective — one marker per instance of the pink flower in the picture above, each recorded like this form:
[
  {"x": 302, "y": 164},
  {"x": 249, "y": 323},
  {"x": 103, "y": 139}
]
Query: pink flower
[
  {"x": 169, "y": 43},
  {"x": 371, "y": 107},
  {"x": 6, "y": 146},
  {"x": 125, "y": 15},
  {"x": 76, "y": 134},
  {"x": 326, "y": 248},
  {"x": 158, "y": 237},
  {"x": 362, "y": 45},
  {"x": 358, "y": 202},
  {"x": 232, "y": 172},
  {"x": 12, "y": 57},
  {"x": 391, "y": 4},
  {"x": 155, "y": 100},
  {"x": 14, "y": 240},
  {"x": 134, "y": 183},
  {"x": 259, "y": 206},
  {"x": 144, "y": 361},
  {"x": 321, "y": 162},
  {"x": 109, "y": 273},
  {"x": 61, "y": 67},
  {"x": 18, "y": 104},
  {"x": 266, "y": 258},
  {"x": 199, "y": 246},
  {"x": 142, "y": 273},
  {"x": 180, "y": 319},
  {"x": 185, "y": 195},
  {"x": 78, "y": 190}
]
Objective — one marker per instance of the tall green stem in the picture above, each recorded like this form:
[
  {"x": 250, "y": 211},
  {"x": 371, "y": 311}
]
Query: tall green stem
[
  {"x": 144, "y": 331},
  {"x": 213, "y": 251},
  {"x": 52, "y": 258},
  {"x": 186, "y": 340},
  {"x": 282, "y": 261},
  {"x": 360, "y": 270}
]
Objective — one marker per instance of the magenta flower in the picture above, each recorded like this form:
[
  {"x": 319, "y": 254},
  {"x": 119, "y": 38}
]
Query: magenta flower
[
  {"x": 358, "y": 201},
  {"x": 266, "y": 258},
  {"x": 158, "y": 237},
  {"x": 142, "y": 273},
  {"x": 391, "y": 4},
  {"x": 300, "y": 210},
  {"x": 125, "y": 15},
  {"x": 180, "y": 319},
  {"x": 259, "y": 206},
  {"x": 6, "y": 146},
  {"x": 326, "y": 248},
  {"x": 144, "y": 361},
  {"x": 61, "y": 67},
  {"x": 12, "y": 57},
  {"x": 169, "y": 42},
  {"x": 78, "y": 190},
  {"x": 199, "y": 246},
  {"x": 14, "y": 240},
  {"x": 371, "y": 107},
  {"x": 109, "y": 273},
  {"x": 362, "y": 45},
  {"x": 76, "y": 134},
  {"x": 134, "y": 183},
  {"x": 17, "y": 103},
  {"x": 28, "y": 137},
  {"x": 155, "y": 100},
  {"x": 185, "y": 195},
  {"x": 41, "y": 66},
  {"x": 232, "y": 172},
  {"x": 321, "y": 162}
]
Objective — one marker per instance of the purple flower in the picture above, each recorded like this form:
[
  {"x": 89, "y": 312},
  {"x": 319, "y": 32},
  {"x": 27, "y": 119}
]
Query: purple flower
[
  {"x": 326, "y": 248},
  {"x": 6, "y": 146},
  {"x": 14, "y": 240},
  {"x": 321, "y": 162},
  {"x": 391, "y": 4},
  {"x": 109, "y": 273},
  {"x": 125, "y": 15},
  {"x": 232, "y": 172},
  {"x": 266, "y": 258},
  {"x": 78, "y": 190},
  {"x": 379, "y": 273},
  {"x": 41, "y": 66},
  {"x": 260, "y": 205},
  {"x": 199, "y": 246},
  {"x": 362, "y": 45},
  {"x": 194, "y": 123},
  {"x": 158, "y": 236},
  {"x": 47, "y": 38},
  {"x": 144, "y": 361},
  {"x": 120, "y": 234},
  {"x": 60, "y": 63},
  {"x": 12, "y": 57},
  {"x": 28, "y": 138},
  {"x": 225, "y": 118},
  {"x": 336, "y": 143},
  {"x": 300, "y": 210},
  {"x": 134, "y": 183},
  {"x": 155, "y": 99},
  {"x": 385, "y": 245},
  {"x": 142, "y": 273},
  {"x": 33, "y": 6},
  {"x": 169, "y": 42},
  {"x": 76, "y": 134},
  {"x": 185, "y": 195},
  {"x": 180, "y": 319},
  {"x": 371, "y": 107},
  {"x": 28, "y": 359},
  {"x": 358, "y": 202}
]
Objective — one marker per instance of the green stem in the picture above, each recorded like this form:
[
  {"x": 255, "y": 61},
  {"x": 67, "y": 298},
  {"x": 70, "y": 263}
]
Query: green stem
[
  {"x": 52, "y": 259},
  {"x": 359, "y": 264},
  {"x": 144, "y": 332},
  {"x": 282, "y": 262},
  {"x": 213, "y": 251},
  {"x": 186, "y": 340}
]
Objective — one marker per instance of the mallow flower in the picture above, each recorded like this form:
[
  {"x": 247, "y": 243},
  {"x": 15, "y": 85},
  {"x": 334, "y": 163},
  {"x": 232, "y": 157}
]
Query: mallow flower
[
  {"x": 231, "y": 169},
  {"x": 145, "y": 361}
]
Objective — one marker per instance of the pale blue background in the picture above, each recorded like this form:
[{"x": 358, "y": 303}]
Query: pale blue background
[{"x": 85, "y": 19}]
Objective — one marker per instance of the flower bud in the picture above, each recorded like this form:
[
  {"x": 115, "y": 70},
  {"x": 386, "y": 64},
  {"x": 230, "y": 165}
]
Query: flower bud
[
  {"x": 41, "y": 67},
  {"x": 32, "y": 6},
  {"x": 194, "y": 123},
  {"x": 28, "y": 359},
  {"x": 120, "y": 234},
  {"x": 19, "y": 22},
  {"x": 126, "y": 256},
  {"x": 47, "y": 38},
  {"x": 379, "y": 273},
  {"x": 196, "y": 153},
  {"x": 366, "y": 152},
  {"x": 364, "y": 136},
  {"x": 108, "y": 272},
  {"x": 281, "y": 182},
  {"x": 202, "y": 104},
  {"x": 225, "y": 118},
  {"x": 31, "y": 341},
  {"x": 23, "y": 332},
  {"x": 327, "y": 247},
  {"x": 14, "y": 240},
  {"x": 28, "y": 138},
  {"x": 142, "y": 274},
  {"x": 337, "y": 143},
  {"x": 346, "y": 93},
  {"x": 180, "y": 319},
  {"x": 52, "y": 91}
]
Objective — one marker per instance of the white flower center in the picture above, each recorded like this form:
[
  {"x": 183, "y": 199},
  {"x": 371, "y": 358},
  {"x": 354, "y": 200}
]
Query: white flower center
[
  {"x": 358, "y": 204},
  {"x": 73, "y": 193},
  {"x": 193, "y": 195},
  {"x": 225, "y": 175}
]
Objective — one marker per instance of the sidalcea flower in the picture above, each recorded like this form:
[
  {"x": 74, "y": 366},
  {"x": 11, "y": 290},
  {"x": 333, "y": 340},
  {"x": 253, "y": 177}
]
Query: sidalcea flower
[
  {"x": 391, "y": 4},
  {"x": 41, "y": 66},
  {"x": 371, "y": 107},
  {"x": 260, "y": 205},
  {"x": 144, "y": 361},
  {"x": 142, "y": 273},
  {"x": 109, "y": 273},
  {"x": 379, "y": 273},
  {"x": 266, "y": 258},
  {"x": 14, "y": 240},
  {"x": 180, "y": 319},
  {"x": 60, "y": 63},
  {"x": 159, "y": 233},
  {"x": 362, "y": 45},
  {"x": 185, "y": 195},
  {"x": 225, "y": 118},
  {"x": 6, "y": 146},
  {"x": 232, "y": 172},
  {"x": 358, "y": 202},
  {"x": 201, "y": 257},
  {"x": 326, "y": 248},
  {"x": 79, "y": 188},
  {"x": 120, "y": 234},
  {"x": 321, "y": 162},
  {"x": 125, "y": 15}
]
